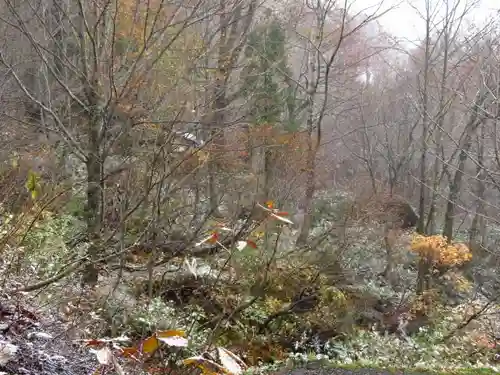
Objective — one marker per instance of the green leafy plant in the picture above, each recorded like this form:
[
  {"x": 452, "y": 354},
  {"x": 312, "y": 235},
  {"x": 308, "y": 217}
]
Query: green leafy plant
[
  {"x": 45, "y": 243},
  {"x": 33, "y": 184}
]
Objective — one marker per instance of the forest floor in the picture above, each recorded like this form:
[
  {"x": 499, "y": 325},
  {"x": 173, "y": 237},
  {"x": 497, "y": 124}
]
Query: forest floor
[
  {"x": 358, "y": 371},
  {"x": 38, "y": 344},
  {"x": 352, "y": 370}
]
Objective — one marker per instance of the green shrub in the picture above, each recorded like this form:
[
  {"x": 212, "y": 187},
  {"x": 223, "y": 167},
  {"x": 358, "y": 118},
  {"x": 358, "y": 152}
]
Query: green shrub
[{"x": 45, "y": 244}]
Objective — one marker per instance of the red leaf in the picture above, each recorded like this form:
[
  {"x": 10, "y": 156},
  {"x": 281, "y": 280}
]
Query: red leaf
[
  {"x": 252, "y": 244},
  {"x": 214, "y": 238},
  {"x": 94, "y": 342}
]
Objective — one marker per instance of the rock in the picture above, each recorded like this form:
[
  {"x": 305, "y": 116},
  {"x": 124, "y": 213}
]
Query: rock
[{"x": 7, "y": 352}]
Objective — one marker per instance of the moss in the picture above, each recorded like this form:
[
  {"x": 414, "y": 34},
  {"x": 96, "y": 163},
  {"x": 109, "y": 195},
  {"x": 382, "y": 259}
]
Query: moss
[
  {"x": 394, "y": 370},
  {"x": 474, "y": 371}
]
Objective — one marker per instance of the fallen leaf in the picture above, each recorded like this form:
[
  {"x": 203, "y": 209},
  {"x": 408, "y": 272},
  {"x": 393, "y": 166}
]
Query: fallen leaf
[
  {"x": 213, "y": 238},
  {"x": 150, "y": 345},
  {"x": 231, "y": 362},
  {"x": 207, "y": 366},
  {"x": 7, "y": 352},
  {"x": 132, "y": 353},
  {"x": 177, "y": 341},
  {"x": 251, "y": 244},
  {"x": 240, "y": 245},
  {"x": 104, "y": 356},
  {"x": 94, "y": 342}
]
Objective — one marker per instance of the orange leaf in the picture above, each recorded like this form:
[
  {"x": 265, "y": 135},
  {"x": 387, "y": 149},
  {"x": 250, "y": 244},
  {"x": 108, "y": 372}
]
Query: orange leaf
[
  {"x": 150, "y": 344},
  {"x": 282, "y": 213},
  {"x": 130, "y": 353},
  {"x": 269, "y": 204},
  {"x": 251, "y": 244}
]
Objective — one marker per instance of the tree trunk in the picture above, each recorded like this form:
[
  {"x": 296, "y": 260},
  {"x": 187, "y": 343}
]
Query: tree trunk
[
  {"x": 424, "y": 279},
  {"x": 425, "y": 126},
  {"x": 261, "y": 166},
  {"x": 390, "y": 264},
  {"x": 310, "y": 165},
  {"x": 431, "y": 221},
  {"x": 307, "y": 202},
  {"x": 424, "y": 268},
  {"x": 234, "y": 25},
  {"x": 95, "y": 188},
  {"x": 476, "y": 232},
  {"x": 456, "y": 184},
  {"x": 308, "y": 197}
]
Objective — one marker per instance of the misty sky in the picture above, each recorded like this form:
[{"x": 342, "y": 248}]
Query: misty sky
[{"x": 405, "y": 22}]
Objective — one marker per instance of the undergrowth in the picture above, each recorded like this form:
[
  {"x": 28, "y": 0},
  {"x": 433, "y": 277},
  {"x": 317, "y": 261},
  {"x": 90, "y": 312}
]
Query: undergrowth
[{"x": 274, "y": 283}]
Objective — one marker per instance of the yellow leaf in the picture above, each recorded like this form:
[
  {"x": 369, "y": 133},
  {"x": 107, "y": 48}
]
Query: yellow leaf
[
  {"x": 258, "y": 235},
  {"x": 207, "y": 366},
  {"x": 150, "y": 345}
]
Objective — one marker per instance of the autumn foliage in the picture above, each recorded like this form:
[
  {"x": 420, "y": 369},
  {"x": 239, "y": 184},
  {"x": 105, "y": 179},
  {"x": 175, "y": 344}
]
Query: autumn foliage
[
  {"x": 286, "y": 149},
  {"x": 109, "y": 350},
  {"x": 439, "y": 251}
]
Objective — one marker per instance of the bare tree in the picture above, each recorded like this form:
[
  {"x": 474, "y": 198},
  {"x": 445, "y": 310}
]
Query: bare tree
[
  {"x": 322, "y": 51},
  {"x": 96, "y": 62}
]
